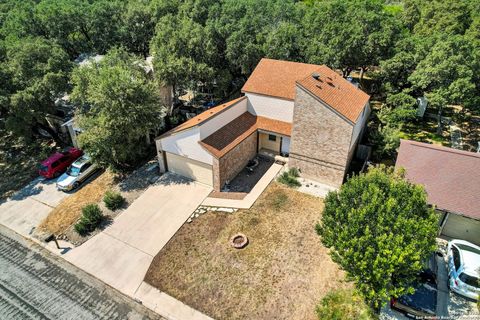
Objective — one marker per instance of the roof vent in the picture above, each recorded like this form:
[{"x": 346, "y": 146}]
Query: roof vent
[{"x": 316, "y": 75}]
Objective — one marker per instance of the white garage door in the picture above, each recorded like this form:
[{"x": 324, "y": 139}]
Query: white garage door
[
  {"x": 463, "y": 228},
  {"x": 190, "y": 168}
]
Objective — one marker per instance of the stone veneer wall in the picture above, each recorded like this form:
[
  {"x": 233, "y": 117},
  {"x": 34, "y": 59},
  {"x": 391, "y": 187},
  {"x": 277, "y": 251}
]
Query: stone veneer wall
[
  {"x": 228, "y": 166},
  {"x": 320, "y": 140}
]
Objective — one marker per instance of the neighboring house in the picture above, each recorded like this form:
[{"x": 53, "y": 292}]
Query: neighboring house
[
  {"x": 451, "y": 178},
  {"x": 304, "y": 111}
]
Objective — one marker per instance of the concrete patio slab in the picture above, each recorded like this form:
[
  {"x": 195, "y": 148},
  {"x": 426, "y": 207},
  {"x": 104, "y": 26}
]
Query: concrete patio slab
[{"x": 251, "y": 197}]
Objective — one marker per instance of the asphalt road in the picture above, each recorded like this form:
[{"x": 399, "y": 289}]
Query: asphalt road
[{"x": 35, "y": 284}]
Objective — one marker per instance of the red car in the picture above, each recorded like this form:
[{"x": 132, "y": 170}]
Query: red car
[{"x": 58, "y": 162}]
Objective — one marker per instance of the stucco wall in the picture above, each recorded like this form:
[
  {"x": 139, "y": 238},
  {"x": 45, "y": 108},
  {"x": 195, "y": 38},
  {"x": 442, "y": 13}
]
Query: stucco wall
[
  {"x": 320, "y": 140},
  {"x": 223, "y": 118},
  {"x": 228, "y": 166},
  {"x": 270, "y": 107},
  {"x": 360, "y": 125},
  {"x": 264, "y": 142},
  {"x": 185, "y": 144}
]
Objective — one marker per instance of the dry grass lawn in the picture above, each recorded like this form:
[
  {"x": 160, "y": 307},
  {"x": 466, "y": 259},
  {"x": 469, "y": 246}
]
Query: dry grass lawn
[
  {"x": 281, "y": 274},
  {"x": 70, "y": 209}
]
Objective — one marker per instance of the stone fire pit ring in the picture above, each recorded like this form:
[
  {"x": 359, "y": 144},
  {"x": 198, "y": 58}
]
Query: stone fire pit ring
[{"x": 239, "y": 241}]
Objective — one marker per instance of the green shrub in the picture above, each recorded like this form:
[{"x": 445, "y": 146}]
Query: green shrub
[
  {"x": 343, "y": 304},
  {"x": 113, "y": 200},
  {"x": 294, "y": 172},
  {"x": 90, "y": 219},
  {"x": 289, "y": 178}
]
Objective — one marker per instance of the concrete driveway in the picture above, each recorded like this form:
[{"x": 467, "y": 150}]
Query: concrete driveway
[
  {"x": 28, "y": 207},
  {"x": 122, "y": 253}
]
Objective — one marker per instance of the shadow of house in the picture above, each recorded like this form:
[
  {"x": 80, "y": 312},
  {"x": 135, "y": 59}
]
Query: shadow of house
[{"x": 33, "y": 188}]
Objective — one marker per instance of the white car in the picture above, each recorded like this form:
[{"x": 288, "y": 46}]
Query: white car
[
  {"x": 464, "y": 268},
  {"x": 77, "y": 173}
]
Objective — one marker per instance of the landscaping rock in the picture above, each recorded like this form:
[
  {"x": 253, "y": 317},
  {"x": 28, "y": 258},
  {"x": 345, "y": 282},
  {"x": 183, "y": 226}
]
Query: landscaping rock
[
  {"x": 202, "y": 211},
  {"x": 189, "y": 220},
  {"x": 193, "y": 215},
  {"x": 197, "y": 215},
  {"x": 228, "y": 210}
]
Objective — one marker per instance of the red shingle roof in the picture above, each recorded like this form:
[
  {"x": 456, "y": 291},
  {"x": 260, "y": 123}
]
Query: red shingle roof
[
  {"x": 202, "y": 117},
  {"x": 451, "y": 177},
  {"x": 226, "y": 138},
  {"x": 279, "y": 78},
  {"x": 336, "y": 92}
]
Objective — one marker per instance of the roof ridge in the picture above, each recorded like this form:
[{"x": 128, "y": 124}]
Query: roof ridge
[
  {"x": 296, "y": 62},
  {"x": 190, "y": 123},
  {"x": 440, "y": 148}
]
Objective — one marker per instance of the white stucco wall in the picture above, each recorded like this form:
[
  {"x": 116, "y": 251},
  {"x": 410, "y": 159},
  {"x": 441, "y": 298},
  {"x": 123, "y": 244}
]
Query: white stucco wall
[
  {"x": 218, "y": 121},
  {"x": 270, "y": 107},
  {"x": 360, "y": 124},
  {"x": 186, "y": 144}
]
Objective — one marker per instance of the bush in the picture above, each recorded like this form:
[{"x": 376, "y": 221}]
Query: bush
[
  {"x": 90, "y": 219},
  {"x": 289, "y": 178},
  {"x": 343, "y": 304},
  {"x": 113, "y": 200},
  {"x": 386, "y": 141},
  {"x": 294, "y": 172}
]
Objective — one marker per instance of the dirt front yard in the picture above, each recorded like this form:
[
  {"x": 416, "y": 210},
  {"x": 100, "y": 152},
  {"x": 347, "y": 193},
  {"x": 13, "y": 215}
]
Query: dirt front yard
[{"x": 282, "y": 273}]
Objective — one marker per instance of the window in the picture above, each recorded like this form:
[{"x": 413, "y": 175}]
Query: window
[
  {"x": 55, "y": 164},
  {"x": 469, "y": 280},
  {"x": 73, "y": 171},
  {"x": 456, "y": 257},
  {"x": 272, "y": 137},
  {"x": 85, "y": 167}
]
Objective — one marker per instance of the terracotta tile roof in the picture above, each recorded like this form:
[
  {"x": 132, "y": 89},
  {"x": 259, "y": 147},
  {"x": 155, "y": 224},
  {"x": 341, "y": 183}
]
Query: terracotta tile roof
[
  {"x": 450, "y": 176},
  {"x": 277, "y": 78},
  {"x": 275, "y": 126},
  {"x": 226, "y": 138},
  {"x": 336, "y": 92},
  {"x": 202, "y": 117}
]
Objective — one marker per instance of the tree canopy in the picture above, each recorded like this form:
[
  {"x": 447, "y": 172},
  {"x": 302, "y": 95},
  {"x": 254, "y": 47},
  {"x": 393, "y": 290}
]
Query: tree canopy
[
  {"x": 409, "y": 47},
  {"x": 38, "y": 71},
  {"x": 380, "y": 230},
  {"x": 121, "y": 106},
  {"x": 349, "y": 34}
]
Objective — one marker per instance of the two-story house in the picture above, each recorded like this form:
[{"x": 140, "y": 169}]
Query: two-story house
[{"x": 305, "y": 111}]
